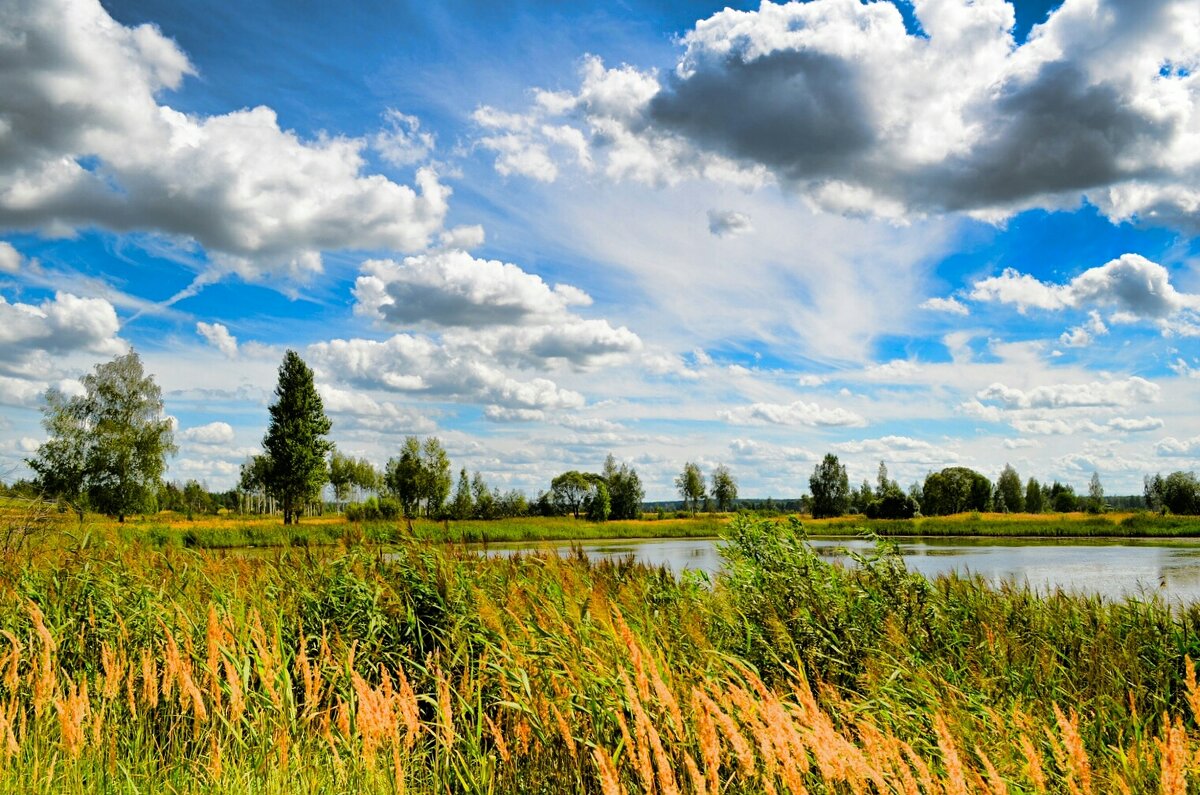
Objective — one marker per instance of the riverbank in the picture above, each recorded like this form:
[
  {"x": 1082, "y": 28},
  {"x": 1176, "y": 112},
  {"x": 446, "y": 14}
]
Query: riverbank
[
  {"x": 233, "y": 531},
  {"x": 129, "y": 668}
]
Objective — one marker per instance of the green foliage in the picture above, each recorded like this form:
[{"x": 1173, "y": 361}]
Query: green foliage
[
  {"x": 894, "y": 504},
  {"x": 1034, "y": 499},
  {"x": 295, "y": 446},
  {"x": 1008, "y": 486},
  {"x": 462, "y": 506},
  {"x": 830, "y": 488},
  {"x": 690, "y": 485},
  {"x": 955, "y": 490},
  {"x": 107, "y": 448},
  {"x": 624, "y": 489},
  {"x": 1062, "y": 498},
  {"x": 1181, "y": 493},
  {"x": 724, "y": 488},
  {"x": 599, "y": 506},
  {"x": 1095, "y": 500},
  {"x": 569, "y": 491}
]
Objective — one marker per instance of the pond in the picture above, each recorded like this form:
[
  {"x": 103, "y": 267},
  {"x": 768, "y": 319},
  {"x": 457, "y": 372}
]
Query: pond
[{"x": 1111, "y": 567}]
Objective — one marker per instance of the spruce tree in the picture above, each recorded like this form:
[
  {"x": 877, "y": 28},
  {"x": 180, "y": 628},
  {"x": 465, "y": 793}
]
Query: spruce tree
[{"x": 295, "y": 442}]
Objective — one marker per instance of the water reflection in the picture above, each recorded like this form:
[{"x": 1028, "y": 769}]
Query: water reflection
[{"x": 1111, "y": 567}]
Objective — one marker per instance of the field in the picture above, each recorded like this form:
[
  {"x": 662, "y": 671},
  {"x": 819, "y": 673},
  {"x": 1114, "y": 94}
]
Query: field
[{"x": 130, "y": 667}]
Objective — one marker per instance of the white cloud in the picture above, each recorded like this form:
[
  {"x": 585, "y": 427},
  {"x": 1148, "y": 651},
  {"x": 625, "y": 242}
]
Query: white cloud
[
  {"x": 490, "y": 309},
  {"x": 354, "y": 408},
  {"x": 949, "y": 305},
  {"x": 85, "y": 142},
  {"x": 841, "y": 102},
  {"x": 420, "y": 366},
  {"x": 60, "y": 325},
  {"x": 796, "y": 413},
  {"x": 452, "y": 288},
  {"x": 10, "y": 258},
  {"x": 1134, "y": 425},
  {"x": 895, "y": 370},
  {"x": 214, "y": 433},
  {"x": 218, "y": 336},
  {"x": 1172, "y": 447},
  {"x": 728, "y": 223},
  {"x": 1131, "y": 391},
  {"x": 403, "y": 143}
]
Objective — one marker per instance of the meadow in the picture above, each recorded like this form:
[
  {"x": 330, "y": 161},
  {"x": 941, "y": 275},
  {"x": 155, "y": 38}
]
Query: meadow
[{"x": 131, "y": 667}]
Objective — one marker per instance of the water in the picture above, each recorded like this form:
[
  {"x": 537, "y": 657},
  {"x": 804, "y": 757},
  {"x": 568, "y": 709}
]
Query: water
[{"x": 1111, "y": 567}]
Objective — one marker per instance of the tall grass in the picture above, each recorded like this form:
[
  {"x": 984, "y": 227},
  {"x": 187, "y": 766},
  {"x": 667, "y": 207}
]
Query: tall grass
[{"x": 127, "y": 668}]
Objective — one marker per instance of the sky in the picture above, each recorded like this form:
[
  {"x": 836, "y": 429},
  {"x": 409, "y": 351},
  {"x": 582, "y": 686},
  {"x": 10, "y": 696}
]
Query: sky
[{"x": 931, "y": 233}]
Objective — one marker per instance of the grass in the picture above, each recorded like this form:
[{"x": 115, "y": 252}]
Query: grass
[{"x": 130, "y": 668}]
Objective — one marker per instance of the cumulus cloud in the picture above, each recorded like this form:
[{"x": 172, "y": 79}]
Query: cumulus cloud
[
  {"x": 728, "y": 223},
  {"x": 1172, "y": 447},
  {"x": 452, "y": 288},
  {"x": 950, "y": 306},
  {"x": 895, "y": 370},
  {"x": 490, "y": 309},
  {"x": 420, "y": 366},
  {"x": 356, "y": 409},
  {"x": 1131, "y": 391},
  {"x": 218, "y": 336},
  {"x": 84, "y": 141},
  {"x": 402, "y": 142},
  {"x": 796, "y": 413},
  {"x": 839, "y": 101},
  {"x": 1133, "y": 287},
  {"x": 64, "y": 324},
  {"x": 214, "y": 433},
  {"x": 10, "y": 258}
]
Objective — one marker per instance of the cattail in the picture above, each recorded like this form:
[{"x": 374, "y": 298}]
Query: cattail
[
  {"x": 1193, "y": 690},
  {"x": 1033, "y": 765},
  {"x": 46, "y": 683},
  {"x": 214, "y": 758},
  {"x": 922, "y": 769},
  {"x": 995, "y": 783},
  {"x": 498, "y": 739},
  {"x": 213, "y": 635},
  {"x": 1077, "y": 759},
  {"x": 710, "y": 743},
  {"x": 667, "y": 699},
  {"x": 11, "y": 663},
  {"x": 564, "y": 730},
  {"x": 267, "y": 669},
  {"x": 410, "y": 712},
  {"x": 741, "y": 748},
  {"x": 957, "y": 785},
  {"x": 662, "y": 763},
  {"x": 72, "y": 711},
  {"x": 1174, "y": 753},
  {"x": 610, "y": 784},
  {"x": 237, "y": 696},
  {"x": 445, "y": 709},
  {"x": 113, "y": 672},
  {"x": 305, "y": 671},
  {"x": 7, "y": 736},
  {"x": 699, "y": 784},
  {"x": 149, "y": 678}
]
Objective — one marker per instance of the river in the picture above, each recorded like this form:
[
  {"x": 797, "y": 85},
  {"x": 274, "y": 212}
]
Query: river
[{"x": 1114, "y": 568}]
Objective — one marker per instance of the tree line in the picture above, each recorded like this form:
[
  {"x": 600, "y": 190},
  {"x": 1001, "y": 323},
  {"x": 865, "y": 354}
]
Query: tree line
[{"x": 107, "y": 447}]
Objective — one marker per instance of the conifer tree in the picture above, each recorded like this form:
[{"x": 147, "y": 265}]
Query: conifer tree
[{"x": 295, "y": 442}]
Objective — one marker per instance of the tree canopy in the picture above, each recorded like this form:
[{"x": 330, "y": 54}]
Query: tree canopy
[
  {"x": 107, "y": 448},
  {"x": 830, "y": 488},
  {"x": 295, "y": 445}
]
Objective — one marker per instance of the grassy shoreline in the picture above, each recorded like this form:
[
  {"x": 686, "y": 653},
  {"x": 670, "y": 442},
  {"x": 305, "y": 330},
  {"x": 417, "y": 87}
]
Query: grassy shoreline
[
  {"x": 232, "y": 532},
  {"x": 125, "y": 668}
]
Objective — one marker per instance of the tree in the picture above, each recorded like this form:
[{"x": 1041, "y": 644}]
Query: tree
[
  {"x": 107, "y": 447},
  {"x": 861, "y": 497},
  {"x": 690, "y": 485},
  {"x": 295, "y": 442},
  {"x": 1181, "y": 493},
  {"x": 1008, "y": 485},
  {"x": 1034, "y": 502},
  {"x": 724, "y": 488},
  {"x": 882, "y": 484},
  {"x": 830, "y": 488},
  {"x": 462, "y": 506},
  {"x": 402, "y": 476},
  {"x": 598, "y": 505},
  {"x": 485, "y": 500},
  {"x": 341, "y": 476},
  {"x": 955, "y": 490},
  {"x": 435, "y": 476},
  {"x": 1152, "y": 490},
  {"x": 1062, "y": 498},
  {"x": 569, "y": 490},
  {"x": 1095, "y": 501},
  {"x": 894, "y": 504},
  {"x": 624, "y": 489}
]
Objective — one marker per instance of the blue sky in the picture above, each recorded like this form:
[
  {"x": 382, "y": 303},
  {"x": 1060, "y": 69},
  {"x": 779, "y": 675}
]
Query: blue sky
[{"x": 928, "y": 233}]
